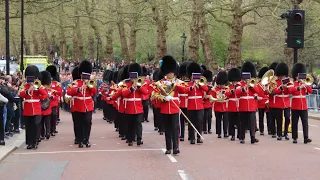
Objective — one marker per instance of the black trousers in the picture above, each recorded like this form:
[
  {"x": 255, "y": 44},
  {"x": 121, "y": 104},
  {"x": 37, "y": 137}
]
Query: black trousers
[
  {"x": 99, "y": 102},
  {"x": 171, "y": 122},
  {"x": 261, "y": 112},
  {"x": 74, "y": 125},
  {"x": 134, "y": 126},
  {"x": 44, "y": 126},
  {"x": 83, "y": 122},
  {"x": 183, "y": 121},
  {"x": 105, "y": 109},
  {"x": 277, "y": 121},
  {"x": 207, "y": 119},
  {"x": 116, "y": 119},
  {"x": 122, "y": 124},
  {"x": 196, "y": 118},
  {"x": 286, "y": 113},
  {"x": 155, "y": 120},
  {"x": 1, "y": 123},
  {"x": 160, "y": 120},
  {"x": 53, "y": 120},
  {"x": 32, "y": 124},
  {"x": 145, "y": 104},
  {"x": 249, "y": 119},
  {"x": 58, "y": 112},
  {"x": 303, "y": 114},
  {"x": 16, "y": 119},
  {"x": 233, "y": 118},
  {"x": 221, "y": 117},
  {"x": 111, "y": 112}
]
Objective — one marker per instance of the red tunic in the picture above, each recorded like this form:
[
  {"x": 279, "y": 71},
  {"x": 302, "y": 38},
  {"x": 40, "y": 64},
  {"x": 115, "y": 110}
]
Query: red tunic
[
  {"x": 31, "y": 103},
  {"x": 299, "y": 101},
  {"x": 282, "y": 98},
  {"x": 147, "y": 84},
  {"x": 58, "y": 93},
  {"x": 233, "y": 99},
  {"x": 247, "y": 101},
  {"x": 262, "y": 96},
  {"x": 103, "y": 90},
  {"x": 49, "y": 110},
  {"x": 133, "y": 101},
  {"x": 81, "y": 102},
  {"x": 195, "y": 96},
  {"x": 219, "y": 106}
]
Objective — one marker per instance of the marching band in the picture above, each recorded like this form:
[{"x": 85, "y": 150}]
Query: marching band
[{"x": 179, "y": 94}]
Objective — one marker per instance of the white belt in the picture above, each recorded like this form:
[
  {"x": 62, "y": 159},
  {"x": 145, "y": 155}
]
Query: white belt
[
  {"x": 195, "y": 97},
  {"x": 182, "y": 95},
  {"x": 132, "y": 99},
  {"x": 281, "y": 96},
  {"x": 246, "y": 97},
  {"x": 299, "y": 96},
  {"x": 175, "y": 98},
  {"x": 81, "y": 98},
  {"x": 31, "y": 100},
  {"x": 233, "y": 99}
]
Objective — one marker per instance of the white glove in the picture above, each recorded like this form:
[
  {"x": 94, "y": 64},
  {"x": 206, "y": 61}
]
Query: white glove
[
  {"x": 168, "y": 98},
  {"x": 168, "y": 83}
]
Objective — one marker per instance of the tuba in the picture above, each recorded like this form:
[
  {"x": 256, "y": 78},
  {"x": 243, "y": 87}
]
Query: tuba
[
  {"x": 67, "y": 98},
  {"x": 267, "y": 77},
  {"x": 309, "y": 80},
  {"x": 92, "y": 83}
]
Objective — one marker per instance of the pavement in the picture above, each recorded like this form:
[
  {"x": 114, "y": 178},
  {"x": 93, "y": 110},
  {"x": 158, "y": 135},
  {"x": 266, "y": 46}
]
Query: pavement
[{"x": 109, "y": 158}]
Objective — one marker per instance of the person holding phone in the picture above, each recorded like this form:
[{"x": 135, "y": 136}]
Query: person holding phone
[{"x": 32, "y": 95}]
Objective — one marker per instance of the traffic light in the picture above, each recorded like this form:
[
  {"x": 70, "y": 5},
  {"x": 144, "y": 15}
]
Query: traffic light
[{"x": 295, "y": 35}]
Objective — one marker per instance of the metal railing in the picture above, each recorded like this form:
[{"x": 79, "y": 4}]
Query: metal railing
[{"x": 313, "y": 100}]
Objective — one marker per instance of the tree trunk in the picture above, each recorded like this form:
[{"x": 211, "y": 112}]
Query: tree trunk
[
  {"x": 109, "y": 43},
  {"x": 44, "y": 43},
  {"x": 91, "y": 47},
  {"x": 161, "y": 23},
  {"x": 193, "y": 52},
  {"x": 208, "y": 53},
  {"x": 133, "y": 40},
  {"x": 234, "y": 48},
  {"x": 26, "y": 46},
  {"x": 35, "y": 44},
  {"x": 78, "y": 45},
  {"x": 288, "y": 53},
  {"x": 63, "y": 41},
  {"x": 122, "y": 33}
]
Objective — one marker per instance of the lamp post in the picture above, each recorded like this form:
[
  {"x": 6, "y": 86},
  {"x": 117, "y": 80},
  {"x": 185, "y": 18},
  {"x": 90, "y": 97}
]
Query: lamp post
[
  {"x": 7, "y": 38},
  {"x": 183, "y": 37},
  {"x": 97, "y": 60},
  {"x": 22, "y": 36}
]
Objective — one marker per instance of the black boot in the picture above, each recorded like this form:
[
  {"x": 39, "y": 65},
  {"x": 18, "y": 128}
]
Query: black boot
[
  {"x": 29, "y": 147},
  {"x": 168, "y": 152},
  {"x": 199, "y": 141},
  {"x": 192, "y": 141},
  {"x": 80, "y": 145},
  {"x": 176, "y": 151},
  {"x": 88, "y": 144},
  {"x": 233, "y": 138},
  {"x": 307, "y": 140},
  {"x": 2, "y": 143},
  {"x": 295, "y": 141},
  {"x": 76, "y": 141}
]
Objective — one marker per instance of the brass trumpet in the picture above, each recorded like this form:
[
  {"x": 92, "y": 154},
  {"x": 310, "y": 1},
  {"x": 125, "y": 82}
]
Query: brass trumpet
[
  {"x": 309, "y": 80},
  {"x": 74, "y": 83},
  {"x": 202, "y": 81},
  {"x": 36, "y": 84},
  {"x": 252, "y": 82},
  {"x": 92, "y": 83},
  {"x": 139, "y": 81}
]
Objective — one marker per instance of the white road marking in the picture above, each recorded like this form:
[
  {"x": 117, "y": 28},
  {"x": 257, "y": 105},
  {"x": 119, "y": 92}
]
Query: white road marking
[
  {"x": 183, "y": 174},
  {"x": 147, "y": 132},
  {"x": 172, "y": 159},
  {"x": 313, "y": 125},
  {"x": 317, "y": 148},
  {"x": 87, "y": 151}
]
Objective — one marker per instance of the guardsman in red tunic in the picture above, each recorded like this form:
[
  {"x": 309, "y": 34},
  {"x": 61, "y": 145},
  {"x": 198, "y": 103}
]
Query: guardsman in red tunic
[
  {"x": 156, "y": 103},
  {"x": 272, "y": 115},
  {"x": 31, "y": 95},
  {"x": 55, "y": 85},
  {"x": 44, "y": 130},
  {"x": 145, "y": 98},
  {"x": 103, "y": 90},
  {"x": 183, "y": 99},
  {"x": 123, "y": 74},
  {"x": 111, "y": 110},
  {"x": 82, "y": 104},
  {"x": 133, "y": 104},
  {"x": 247, "y": 102},
  {"x": 282, "y": 100},
  {"x": 207, "y": 104},
  {"x": 115, "y": 101},
  {"x": 234, "y": 77},
  {"x": 169, "y": 88},
  {"x": 299, "y": 107},
  {"x": 262, "y": 100},
  {"x": 220, "y": 108},
  {"x": 196, "y": 93}
]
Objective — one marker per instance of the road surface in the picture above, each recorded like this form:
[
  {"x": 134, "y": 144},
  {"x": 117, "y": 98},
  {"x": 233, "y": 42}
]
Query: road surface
[{"x": 109, "y": 158}]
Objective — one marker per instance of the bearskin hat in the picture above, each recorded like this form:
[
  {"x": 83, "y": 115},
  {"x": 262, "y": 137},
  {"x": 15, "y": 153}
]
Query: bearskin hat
[
  {"x": 75, "y": 73},
  {"x": 120, "y": 74},
  {"x": 155, "y": 76},
  {"x": 33, "y": 70},
  {"x": 249, "y": 67},
  {"x": 273, "y": 66},
  {"x": 169, "y": 65},
  {"x": 193, "y": 67},
  {"x": 53, "y": 71},
  {"x": 298, "y": 68},
  {"x": 110, "y": 77},
  {"x": 262, "y": 71},
  {"x": 222, "y": 78},
  {"x": 144, "y": 71},
  {"x": 282, "y": 69},
  {"x": 125, "y": 73},
  {"x": 85, "y": 66},
  {"x": 234, "y": 74},
  {"x": 45, "y": 77},
  {"x": 106, "y": 75},
  {"x": 183, "y": 68},
  {"x": 115, "y": 77},
  {"x": 208, "y": 75},
  {"x": 161, "y": 75},
  {"x": 135, "y": 67},
  {"x": 203, "y": 67}
]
